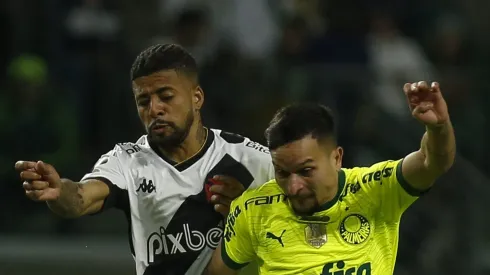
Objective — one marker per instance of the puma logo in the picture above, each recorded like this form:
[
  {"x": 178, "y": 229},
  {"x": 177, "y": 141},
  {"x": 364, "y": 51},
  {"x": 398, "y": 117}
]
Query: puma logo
[{"x": 270, "y": 235}]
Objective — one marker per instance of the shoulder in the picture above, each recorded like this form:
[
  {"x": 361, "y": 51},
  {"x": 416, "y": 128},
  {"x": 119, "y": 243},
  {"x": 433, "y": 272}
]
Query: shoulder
[
  {"x": 267, "y": 194},
  {"x": 376, "y": 172},
  {"x": 127, "y": 150},
  {"x": 240, "y": 145}
]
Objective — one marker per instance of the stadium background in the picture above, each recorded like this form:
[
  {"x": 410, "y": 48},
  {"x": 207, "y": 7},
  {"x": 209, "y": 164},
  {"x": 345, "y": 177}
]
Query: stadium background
[{"x": 66, "y": 98}]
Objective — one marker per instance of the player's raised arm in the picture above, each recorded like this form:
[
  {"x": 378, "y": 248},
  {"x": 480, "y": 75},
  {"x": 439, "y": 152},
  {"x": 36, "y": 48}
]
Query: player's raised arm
[
  {"x": 438, "y": 147},
  {"x": 64, "y": 197}
]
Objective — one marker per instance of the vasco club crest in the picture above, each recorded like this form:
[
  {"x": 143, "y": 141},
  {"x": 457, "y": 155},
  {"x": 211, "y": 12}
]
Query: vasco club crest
[{"x": 355, "y": 229}]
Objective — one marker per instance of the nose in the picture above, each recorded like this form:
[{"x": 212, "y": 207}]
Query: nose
[
  {"x": 157, "y": 108},
  {"x": 295, "y": 185}
]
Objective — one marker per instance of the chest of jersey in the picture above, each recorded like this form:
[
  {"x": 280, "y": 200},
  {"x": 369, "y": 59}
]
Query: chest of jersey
[
  {"x": 173, "y": 228},
  {"x": 171, "y": 216},
  {"x": 160, "y": 189},
  {"x": 344, "y": 243}
]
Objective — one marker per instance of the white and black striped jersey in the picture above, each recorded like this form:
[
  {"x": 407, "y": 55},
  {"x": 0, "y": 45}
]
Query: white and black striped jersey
[{"x": 173, "y": 228}]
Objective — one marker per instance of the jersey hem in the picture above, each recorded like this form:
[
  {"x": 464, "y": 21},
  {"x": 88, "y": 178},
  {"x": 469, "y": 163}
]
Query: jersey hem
[
  {"x": 228, "y": 261},
  {"x": 404, "y": 183}
]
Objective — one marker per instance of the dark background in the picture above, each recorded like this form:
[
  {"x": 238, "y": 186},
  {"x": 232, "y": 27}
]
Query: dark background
[{"x": 65, "y": 98}]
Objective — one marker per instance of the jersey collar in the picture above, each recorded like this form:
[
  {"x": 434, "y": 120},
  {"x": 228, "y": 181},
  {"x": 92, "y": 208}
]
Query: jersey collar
[
  {"x": 181, "y": 166},
  {"x": 341, "y": 182}
]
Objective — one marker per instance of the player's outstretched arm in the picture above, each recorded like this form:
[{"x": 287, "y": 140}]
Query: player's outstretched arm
[
  {"x": 64, "y": 197},
  {"x": 438, "y": 146},
  {"x": 217, "y": 266}
]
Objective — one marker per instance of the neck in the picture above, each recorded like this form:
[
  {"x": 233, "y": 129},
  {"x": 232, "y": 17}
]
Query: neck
[
  {"x": 329, "y": 191},
  {"x": 189, "y": 147}
]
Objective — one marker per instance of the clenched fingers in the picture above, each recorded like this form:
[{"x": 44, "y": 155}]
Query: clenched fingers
[
  {"x": 35, "y": 185},
  {"x": 219, "y": 199},
  {"x": 22, "y": 165},
  {"x": 230, "y": 188},
  {"x": 30, "y": 175}
]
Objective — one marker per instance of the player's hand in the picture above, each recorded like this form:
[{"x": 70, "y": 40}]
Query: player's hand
[
  {"x": 225, "y": 193},
  {"x": 427, "y": 103},
  {"x": 41, "y": 181}
]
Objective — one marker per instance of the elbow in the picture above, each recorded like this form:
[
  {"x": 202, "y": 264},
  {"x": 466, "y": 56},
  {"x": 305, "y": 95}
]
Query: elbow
[
  {"x": 440, "y": 165},
  {"x": 449, "y": 163}
]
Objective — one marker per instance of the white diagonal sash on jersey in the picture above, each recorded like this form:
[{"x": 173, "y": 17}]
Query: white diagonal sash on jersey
[{"x": 202, "y": 260}]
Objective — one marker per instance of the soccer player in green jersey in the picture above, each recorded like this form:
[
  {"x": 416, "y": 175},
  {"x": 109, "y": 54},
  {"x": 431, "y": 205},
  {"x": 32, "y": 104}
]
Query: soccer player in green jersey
[{"x": 319, "y": 218}]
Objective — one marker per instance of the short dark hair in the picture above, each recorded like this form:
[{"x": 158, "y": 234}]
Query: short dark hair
[
  {"x": 299, "y": 120},
  {"x": 162, "y": 57}
]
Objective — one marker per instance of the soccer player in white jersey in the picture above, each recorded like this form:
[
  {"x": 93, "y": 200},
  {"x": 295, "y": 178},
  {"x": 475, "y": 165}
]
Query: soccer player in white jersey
[{"x": 162, "y": 181}]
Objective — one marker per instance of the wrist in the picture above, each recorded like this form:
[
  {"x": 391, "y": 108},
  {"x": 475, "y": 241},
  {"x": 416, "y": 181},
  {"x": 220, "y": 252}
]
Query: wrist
[
  {"x": 60, "y": 188},
  {"x": 437, "y": 128}
]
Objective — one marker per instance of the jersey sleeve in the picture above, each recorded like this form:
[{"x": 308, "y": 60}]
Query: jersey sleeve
[
  {"x": 237, "y": 248},
  {"x": 384, "y": 183},
  {"x": 261, "y": 163},
  {"x": 109, "y": 170}
]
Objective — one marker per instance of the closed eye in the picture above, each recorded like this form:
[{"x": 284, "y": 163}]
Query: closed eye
[
  {"x": 143, "y": 102},
  {"x": 166, "y": 97},
  {"x": 281, "y": 173}
]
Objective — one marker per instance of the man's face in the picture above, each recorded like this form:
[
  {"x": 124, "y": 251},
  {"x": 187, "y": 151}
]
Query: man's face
[
  {"x": 167, "y": 104},
  {"x": 307, "y": 170}
]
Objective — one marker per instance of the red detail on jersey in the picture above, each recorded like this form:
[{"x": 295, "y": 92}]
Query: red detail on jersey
[{"x": 208, "y": 185}]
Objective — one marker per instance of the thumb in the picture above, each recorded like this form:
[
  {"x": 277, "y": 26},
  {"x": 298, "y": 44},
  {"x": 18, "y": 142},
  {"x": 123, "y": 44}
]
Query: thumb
[
  {"x": 48, "y": 173},
  {"x": 422, "y": 108}
]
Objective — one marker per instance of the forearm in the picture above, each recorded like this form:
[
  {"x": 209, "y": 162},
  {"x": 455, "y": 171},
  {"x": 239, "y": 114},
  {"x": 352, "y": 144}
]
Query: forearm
[
  {"x": 70, "y": 203},
  {"x": 439, "y": 148}
]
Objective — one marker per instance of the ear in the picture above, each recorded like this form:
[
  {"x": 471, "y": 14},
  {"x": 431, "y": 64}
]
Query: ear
[
  {"x": 338, "y": 154},
  {"x": 198, "y": 98}
]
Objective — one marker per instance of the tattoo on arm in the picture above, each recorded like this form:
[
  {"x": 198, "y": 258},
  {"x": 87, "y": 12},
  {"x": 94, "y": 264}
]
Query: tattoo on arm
[{"x": 70, "y": 203}]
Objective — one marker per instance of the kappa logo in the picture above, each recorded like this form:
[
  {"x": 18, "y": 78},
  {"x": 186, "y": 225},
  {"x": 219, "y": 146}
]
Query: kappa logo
[{"x": 146, "y": 187}]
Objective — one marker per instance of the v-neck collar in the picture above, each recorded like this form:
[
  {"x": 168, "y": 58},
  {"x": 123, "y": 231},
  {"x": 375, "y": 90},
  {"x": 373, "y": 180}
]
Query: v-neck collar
[{"x": 183, "y": 165}]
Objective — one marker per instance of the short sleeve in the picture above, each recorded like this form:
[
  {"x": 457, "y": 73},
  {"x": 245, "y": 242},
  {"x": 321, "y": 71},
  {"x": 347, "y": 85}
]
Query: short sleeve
[
  {"x": 260, "y": 162},
  {"x": 108, "y": 169},
  {"x": 237, "y": 249},
  {"x": 385, "y": 183}
]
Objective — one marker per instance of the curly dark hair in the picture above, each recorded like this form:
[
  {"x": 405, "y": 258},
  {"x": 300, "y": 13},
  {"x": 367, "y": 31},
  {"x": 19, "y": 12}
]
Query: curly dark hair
[{"x": 162, "y": 57}]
